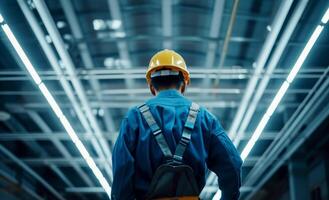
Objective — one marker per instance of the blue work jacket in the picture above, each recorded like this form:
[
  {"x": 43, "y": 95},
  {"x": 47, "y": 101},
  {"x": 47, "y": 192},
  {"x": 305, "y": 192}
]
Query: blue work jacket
[{"x": 136, "y": 155}]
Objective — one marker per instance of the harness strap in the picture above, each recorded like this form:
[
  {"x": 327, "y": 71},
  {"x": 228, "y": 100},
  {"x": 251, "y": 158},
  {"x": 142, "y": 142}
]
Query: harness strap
[
  {"x": 157, "y": 132},
  {"x": 186, "y": 136}
]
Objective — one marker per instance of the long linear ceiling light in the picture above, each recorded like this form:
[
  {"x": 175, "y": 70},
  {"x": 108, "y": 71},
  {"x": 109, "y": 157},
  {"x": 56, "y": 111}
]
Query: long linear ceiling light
[
  {"x": 53, "y": 104},
  {"x": 283, "y": 89}
]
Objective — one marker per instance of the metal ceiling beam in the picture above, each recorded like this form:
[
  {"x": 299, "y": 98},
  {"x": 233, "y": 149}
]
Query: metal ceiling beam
[
  {"x": 261, "y": 60},
  {"x": 14, "y": 126},
  {"x": 188, "y": 38},
  {"x": 31, "y": 172},
  {"x": 86, "y": 57},
  {"x": 99, "y": 189},
  {"x": 129, "y": 9},
  {"x": 228, "y": 33},
  {"x": 126, "y": 105},
  {"x": 12, "y": 178},
  {"x": 250, "y": 161},
  {"x": 115, "y": 12},
  {"x": 34, "y": 146},
  {"x": 44, "y": 136},
  {"x": 274, "y": 60},
  {"x": 61, "y": 148},
  {"x": 85, "y": 190},
  {"x": 60, "y": 161},
  {"x": 195, "y": 70},
  {"x": 166, "y": 10},
  {"x": 62, "y": 176},
  {"x": 215, "y": 28},
  {"x": 191, "y": 91},
  {"x": 142, "y": 76},
  {"x": 52, "y": 57},
  {"x": 70, "y": 67}
]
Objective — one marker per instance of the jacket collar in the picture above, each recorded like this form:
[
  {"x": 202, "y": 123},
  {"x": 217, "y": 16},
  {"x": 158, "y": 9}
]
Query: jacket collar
[{"x": 169, "y": 93}]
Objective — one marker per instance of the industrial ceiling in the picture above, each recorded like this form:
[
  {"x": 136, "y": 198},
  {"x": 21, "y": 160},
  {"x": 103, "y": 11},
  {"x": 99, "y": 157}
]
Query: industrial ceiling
[{"x": 92, "y": 56}]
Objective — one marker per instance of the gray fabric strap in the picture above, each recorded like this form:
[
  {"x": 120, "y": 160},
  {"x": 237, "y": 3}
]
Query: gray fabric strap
[
  {"x": 186, "y": 136},
  {"x": 157, "y": 132}
]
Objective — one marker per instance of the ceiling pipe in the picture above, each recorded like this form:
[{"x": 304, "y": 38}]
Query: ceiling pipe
[
  {"x": 191, "y": 91},
  {"x": 31, "y": 172},
  {"x": 49, "y": 52},
  {"x": 215, "y": 27},
  {"x": 62, "y": 136},
  {"x": 195, "y": 70},
  {"x": 228, "y": 33},
  {"x": 115, "y": 12},
  {"x": 167, "y": 15},
  {"x": 260, "y": 63},
  {"x": 86, "y": 57},
  {"x": 70, "y": 68},
  {"x": 275, "y": 58}
]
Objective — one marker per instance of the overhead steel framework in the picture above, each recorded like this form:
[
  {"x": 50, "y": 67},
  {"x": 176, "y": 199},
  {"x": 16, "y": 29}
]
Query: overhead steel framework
[{"x": 68, "y": 57}]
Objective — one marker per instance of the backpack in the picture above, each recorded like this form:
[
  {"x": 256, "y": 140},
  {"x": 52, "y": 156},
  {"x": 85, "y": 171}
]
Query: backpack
[{"x": 172, "y": 178}]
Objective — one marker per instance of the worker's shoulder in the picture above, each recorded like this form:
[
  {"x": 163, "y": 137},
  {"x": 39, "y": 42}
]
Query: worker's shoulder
[
  {"x": 206, "y": 113},
  {"x": 133, "y": 112}
]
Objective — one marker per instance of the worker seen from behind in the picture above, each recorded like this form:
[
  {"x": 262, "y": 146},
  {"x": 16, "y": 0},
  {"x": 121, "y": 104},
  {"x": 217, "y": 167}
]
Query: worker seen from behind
[{"x": 166, "y": 145}]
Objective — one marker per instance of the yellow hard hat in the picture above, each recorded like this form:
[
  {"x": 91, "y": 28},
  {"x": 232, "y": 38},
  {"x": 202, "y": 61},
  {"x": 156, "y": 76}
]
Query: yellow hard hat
[{"x": 168, "y": 59}]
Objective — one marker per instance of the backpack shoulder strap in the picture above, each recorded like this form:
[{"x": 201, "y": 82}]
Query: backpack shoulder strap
[
  {"x": 157, "y": 132},
  {"x": 186, "y": 136}
]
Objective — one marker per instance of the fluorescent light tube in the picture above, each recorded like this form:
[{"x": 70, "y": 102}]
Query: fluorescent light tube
[
  {"x": 57, "y": 110},
  {"x": 53, "y": 104},
  {"x": 255, "y": 136},
  {"x": 325, "y": 17},
  {"x": 277, "y": 99}
]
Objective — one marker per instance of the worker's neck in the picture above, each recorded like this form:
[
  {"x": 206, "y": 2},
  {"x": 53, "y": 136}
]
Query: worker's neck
[{"x": 167, "y": 89}]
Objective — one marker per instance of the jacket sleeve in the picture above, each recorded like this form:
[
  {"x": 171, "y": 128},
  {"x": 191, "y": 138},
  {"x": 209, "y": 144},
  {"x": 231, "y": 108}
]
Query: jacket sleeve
[
  {"x": 225, "y": 161},
  {"x": 123, "y": 162}
]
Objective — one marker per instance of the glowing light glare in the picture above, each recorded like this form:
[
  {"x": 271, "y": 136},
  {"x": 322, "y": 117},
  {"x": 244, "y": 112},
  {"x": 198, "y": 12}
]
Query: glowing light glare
[
  {"x": 116, "y": 24},
  {"x": 21, "y": 53},
  {"x": 70, "y": 131},
  {"x": 255, "y": 137},
  {"x": 325, "y": 17},
  {"x": 304, "y": 53},
  {"x": 53, "y": 104},
  {"x": 277, "y": 99},
  {"x": 218, "y": 195},
  {"x": 57, "y": 110}
]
